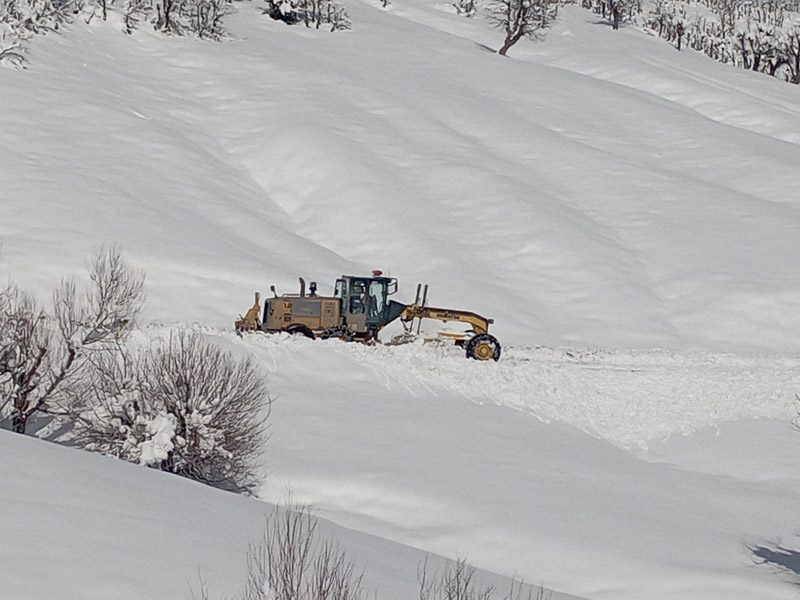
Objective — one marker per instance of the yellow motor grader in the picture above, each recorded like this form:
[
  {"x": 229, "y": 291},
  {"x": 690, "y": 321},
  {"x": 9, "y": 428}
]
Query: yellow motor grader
[{"x": 359, "y": 308}]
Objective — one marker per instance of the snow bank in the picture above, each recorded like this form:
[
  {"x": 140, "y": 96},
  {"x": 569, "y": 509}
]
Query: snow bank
[
  {"x": 628, "y": 398},
  {"x": 78, "y": 525}
]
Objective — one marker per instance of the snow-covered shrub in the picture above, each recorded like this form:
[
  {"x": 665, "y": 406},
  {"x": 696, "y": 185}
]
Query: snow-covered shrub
[
  {"x": 616, "y": 11},
  {"x": 465, "y": 8},
  {"x": 11, "y": 45},
  {"x": 312, "y": 13},
  {"x": 203, "y": 18},
  {"x": 760, "y": 36},
  {"x": 22, "y": 19},
  {"x": 182, "y": 406},
  {"x": 206, "y": 17},
  {"x": 44, "y": 353},
  {"x": 756, "y": 44},
  {"x": 134, "y": 12},
  {"x": 788, "y": 40}
]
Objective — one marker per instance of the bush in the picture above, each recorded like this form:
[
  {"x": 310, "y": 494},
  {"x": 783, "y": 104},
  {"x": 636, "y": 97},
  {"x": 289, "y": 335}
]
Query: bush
[
  {"x": 759, "y": 36},
  {"x": 313, "y": 13},
  {"x": 183, "y": 406},
  {"x": 22, "y": 19},
  {"x": 293, "y": 562},
  {"x": 457, "y": 582}
]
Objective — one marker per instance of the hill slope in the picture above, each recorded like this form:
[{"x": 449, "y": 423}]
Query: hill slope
[{"x": 84, "y": 526}]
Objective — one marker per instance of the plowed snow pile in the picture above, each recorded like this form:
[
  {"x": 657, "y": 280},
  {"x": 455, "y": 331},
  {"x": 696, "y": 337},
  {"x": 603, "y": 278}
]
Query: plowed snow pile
[{"x": 627, "y": 398}]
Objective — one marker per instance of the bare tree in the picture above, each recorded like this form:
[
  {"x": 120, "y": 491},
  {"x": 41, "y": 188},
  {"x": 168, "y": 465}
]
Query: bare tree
[
  {"x": 790, "y": 48},
  {"x": 134, "y": 11},
  {"x": 25, "y": 342},
  {"x": 166, "y": 20},
  {"x": 40, "y": 351},
  {"x": 618, "y": 10},
  {"x": 727, "y": 13},
  {"x": 521, "y": 18},
  {"x": 207, "y": 17}
]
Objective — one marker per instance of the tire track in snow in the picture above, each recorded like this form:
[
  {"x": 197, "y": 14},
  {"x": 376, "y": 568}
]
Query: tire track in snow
[{"x": 626, "y": 397}]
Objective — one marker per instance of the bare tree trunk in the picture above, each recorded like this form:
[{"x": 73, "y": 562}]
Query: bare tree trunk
[
  {"x": 19, "y": 422},
  {"x": 511, "y": 39}
]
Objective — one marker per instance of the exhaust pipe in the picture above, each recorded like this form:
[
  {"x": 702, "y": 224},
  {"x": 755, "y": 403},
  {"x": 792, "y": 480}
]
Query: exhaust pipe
[{"x": 302, "y": 288}]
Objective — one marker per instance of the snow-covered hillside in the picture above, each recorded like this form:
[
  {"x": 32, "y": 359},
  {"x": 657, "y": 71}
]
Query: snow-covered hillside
[
  {"x": 77, "y": 525},
  {"x": 626, "y": 213},
  {"x": 600, "y": 189}
]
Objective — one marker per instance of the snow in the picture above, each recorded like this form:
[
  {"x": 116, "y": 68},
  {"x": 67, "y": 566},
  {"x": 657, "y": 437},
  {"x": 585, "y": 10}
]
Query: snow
[
  {"x": 160, "y": 432},
  {"x": 493, "y": 460},
  {"x": 626, "y": 213}
]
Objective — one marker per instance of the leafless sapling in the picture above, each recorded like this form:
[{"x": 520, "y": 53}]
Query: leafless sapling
[
  {"x": 294, "y": 561},
  {"x": 457, "y": 581}
]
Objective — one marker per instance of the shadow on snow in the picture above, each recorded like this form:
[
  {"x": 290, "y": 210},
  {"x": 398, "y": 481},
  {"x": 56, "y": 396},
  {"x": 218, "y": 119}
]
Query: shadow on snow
[{"x": 781, "y": 557}]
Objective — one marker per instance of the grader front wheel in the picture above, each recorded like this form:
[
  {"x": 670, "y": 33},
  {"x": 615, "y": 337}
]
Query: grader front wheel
[{"x": 483, "y": 347}]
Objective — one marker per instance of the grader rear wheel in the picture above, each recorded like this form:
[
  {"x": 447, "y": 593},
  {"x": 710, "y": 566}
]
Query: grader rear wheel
[
  {"x": 299, "y": 329},
  {"x": 483, "y": 347}
]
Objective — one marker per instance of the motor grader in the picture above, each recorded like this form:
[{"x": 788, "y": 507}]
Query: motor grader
[{"x": 358, "y": 310}]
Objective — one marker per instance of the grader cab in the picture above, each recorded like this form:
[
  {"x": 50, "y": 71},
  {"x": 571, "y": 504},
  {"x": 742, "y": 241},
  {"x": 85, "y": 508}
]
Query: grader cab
[{"x": 358, "y": 310}]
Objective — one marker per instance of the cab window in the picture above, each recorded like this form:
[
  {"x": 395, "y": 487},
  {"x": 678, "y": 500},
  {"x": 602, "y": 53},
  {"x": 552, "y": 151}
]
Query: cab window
[
  {"x": 377, "y": 298},
  {"x": 358, "y": 296}
]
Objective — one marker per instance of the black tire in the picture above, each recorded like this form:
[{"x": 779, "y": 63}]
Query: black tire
[
  {"x": 483, "y": 347},
  {"x": 300, "y": 330}
]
